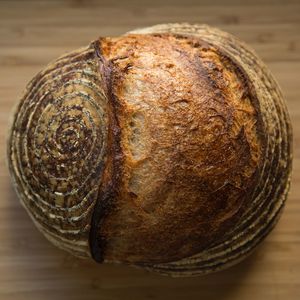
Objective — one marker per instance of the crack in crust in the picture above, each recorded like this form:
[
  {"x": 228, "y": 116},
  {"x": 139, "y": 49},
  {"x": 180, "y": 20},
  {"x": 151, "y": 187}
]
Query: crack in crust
[{"x": 108, "y": 187}]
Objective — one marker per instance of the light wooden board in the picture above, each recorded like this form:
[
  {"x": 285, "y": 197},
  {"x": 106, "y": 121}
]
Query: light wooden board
[{"x": 31, "y": 34}]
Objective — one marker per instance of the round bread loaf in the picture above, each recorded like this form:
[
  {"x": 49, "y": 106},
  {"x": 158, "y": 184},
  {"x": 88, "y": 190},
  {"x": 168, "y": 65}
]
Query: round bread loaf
[{"x": 167, "y": 148}]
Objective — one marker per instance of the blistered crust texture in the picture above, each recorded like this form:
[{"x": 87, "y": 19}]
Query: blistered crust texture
[
  {"x": 272, "y": 187},
  {"x": 168, "y": 148},
  {"x": 191, "y": 145}
]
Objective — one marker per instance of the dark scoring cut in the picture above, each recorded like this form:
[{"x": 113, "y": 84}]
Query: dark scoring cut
[{"x": 108, "y": 188}]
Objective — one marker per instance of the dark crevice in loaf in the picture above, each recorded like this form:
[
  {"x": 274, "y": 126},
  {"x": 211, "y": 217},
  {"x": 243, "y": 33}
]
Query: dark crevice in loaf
[{"x": 109, "y": 184}]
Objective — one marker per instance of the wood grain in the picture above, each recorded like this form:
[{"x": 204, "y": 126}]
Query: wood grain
[{"x": 34, "y": 32}]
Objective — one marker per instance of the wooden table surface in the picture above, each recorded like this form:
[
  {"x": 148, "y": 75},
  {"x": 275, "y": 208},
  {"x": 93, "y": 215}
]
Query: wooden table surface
[{"x": 33, "y": 33}]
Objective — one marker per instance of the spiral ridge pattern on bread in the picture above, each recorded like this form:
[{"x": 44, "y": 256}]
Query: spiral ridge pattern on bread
[{"x": 60, "y": 138}]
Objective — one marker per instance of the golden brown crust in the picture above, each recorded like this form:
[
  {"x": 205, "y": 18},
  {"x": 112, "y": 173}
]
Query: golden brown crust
[
  {"x": 271, "y": 191},
  {"x": 191, "y": 150}
]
